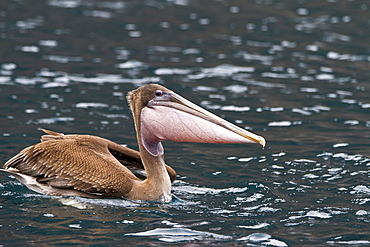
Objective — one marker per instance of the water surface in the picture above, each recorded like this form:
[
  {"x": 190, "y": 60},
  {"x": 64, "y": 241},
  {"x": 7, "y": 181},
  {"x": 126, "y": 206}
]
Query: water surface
[{"x": 294, "y": 72}]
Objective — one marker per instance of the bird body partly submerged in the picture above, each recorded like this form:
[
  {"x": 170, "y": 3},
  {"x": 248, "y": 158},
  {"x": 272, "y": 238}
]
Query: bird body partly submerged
[
  {"x": 90, "y": 166},
  {"x": 78, "y": 165}
]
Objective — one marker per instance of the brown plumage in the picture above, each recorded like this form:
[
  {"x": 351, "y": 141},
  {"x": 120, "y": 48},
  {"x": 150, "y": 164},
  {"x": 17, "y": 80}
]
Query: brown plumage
[
  {"x": 90, "y": 166},
  {"x": 80, "y": 165}
]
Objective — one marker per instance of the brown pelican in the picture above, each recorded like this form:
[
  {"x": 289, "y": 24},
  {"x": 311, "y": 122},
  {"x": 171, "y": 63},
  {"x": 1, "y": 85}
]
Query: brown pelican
[{"x": 90, "y": 166}]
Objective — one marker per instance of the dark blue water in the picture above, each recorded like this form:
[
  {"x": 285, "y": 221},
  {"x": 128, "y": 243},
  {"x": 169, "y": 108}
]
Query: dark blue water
[{"x": 295, "y": 72}]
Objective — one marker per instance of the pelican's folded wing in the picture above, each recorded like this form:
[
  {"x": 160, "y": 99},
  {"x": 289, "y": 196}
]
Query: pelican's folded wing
[{"x": 61, "y": 163}]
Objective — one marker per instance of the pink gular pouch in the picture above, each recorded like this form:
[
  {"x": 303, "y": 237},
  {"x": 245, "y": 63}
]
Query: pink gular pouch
[{"x": 177, "y": 119}]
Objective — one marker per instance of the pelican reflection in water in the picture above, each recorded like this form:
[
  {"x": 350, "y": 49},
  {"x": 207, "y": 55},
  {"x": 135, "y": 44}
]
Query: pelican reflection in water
[{"x": 91, "y": 166}]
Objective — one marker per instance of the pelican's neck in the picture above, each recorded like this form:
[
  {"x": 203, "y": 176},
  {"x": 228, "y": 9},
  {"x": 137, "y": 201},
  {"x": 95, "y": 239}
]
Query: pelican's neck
[
  {"x": 158, "y": 181},
  {"x": 157, "y": 185}
]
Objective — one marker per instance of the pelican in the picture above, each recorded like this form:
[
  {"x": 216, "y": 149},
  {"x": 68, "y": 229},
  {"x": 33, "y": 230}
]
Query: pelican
[{"x": 91, "y": 166}]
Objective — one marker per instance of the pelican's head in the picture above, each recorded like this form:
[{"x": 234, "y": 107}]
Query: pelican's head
[{"x": 161, "y": 114}]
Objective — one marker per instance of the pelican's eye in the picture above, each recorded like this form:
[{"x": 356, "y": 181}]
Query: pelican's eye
[{"x": 158, "y": 93}]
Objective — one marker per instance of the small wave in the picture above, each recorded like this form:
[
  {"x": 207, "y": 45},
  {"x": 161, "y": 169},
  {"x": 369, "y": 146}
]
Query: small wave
[
  {"x": 350, "y": 242},
  {"x": 178, "y": 234},
  {"x": 263, "y": 239},
  {"x": 283, "y": 123},
  {"x": 223, "y": 70},
  {"x": 189, "y": 189},
  {"x": 91, "y": 105},
  {"x": 51, "y": 120},
  {"x": 132, "y": 64}
]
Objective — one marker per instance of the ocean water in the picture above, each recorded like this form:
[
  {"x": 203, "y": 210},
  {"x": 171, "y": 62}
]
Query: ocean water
[{"x": 295, "y": 72}]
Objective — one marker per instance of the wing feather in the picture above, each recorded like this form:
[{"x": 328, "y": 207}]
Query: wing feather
[
  {"x": 80, "y": 162},
  {"x": 91, "y": 165}
]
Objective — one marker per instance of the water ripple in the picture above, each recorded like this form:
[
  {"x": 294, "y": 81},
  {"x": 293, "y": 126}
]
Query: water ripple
[
  {"x": 178, "y": 234},
  {"x": 295, "y": 72},
  {"x": 262, "y": 239}
]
